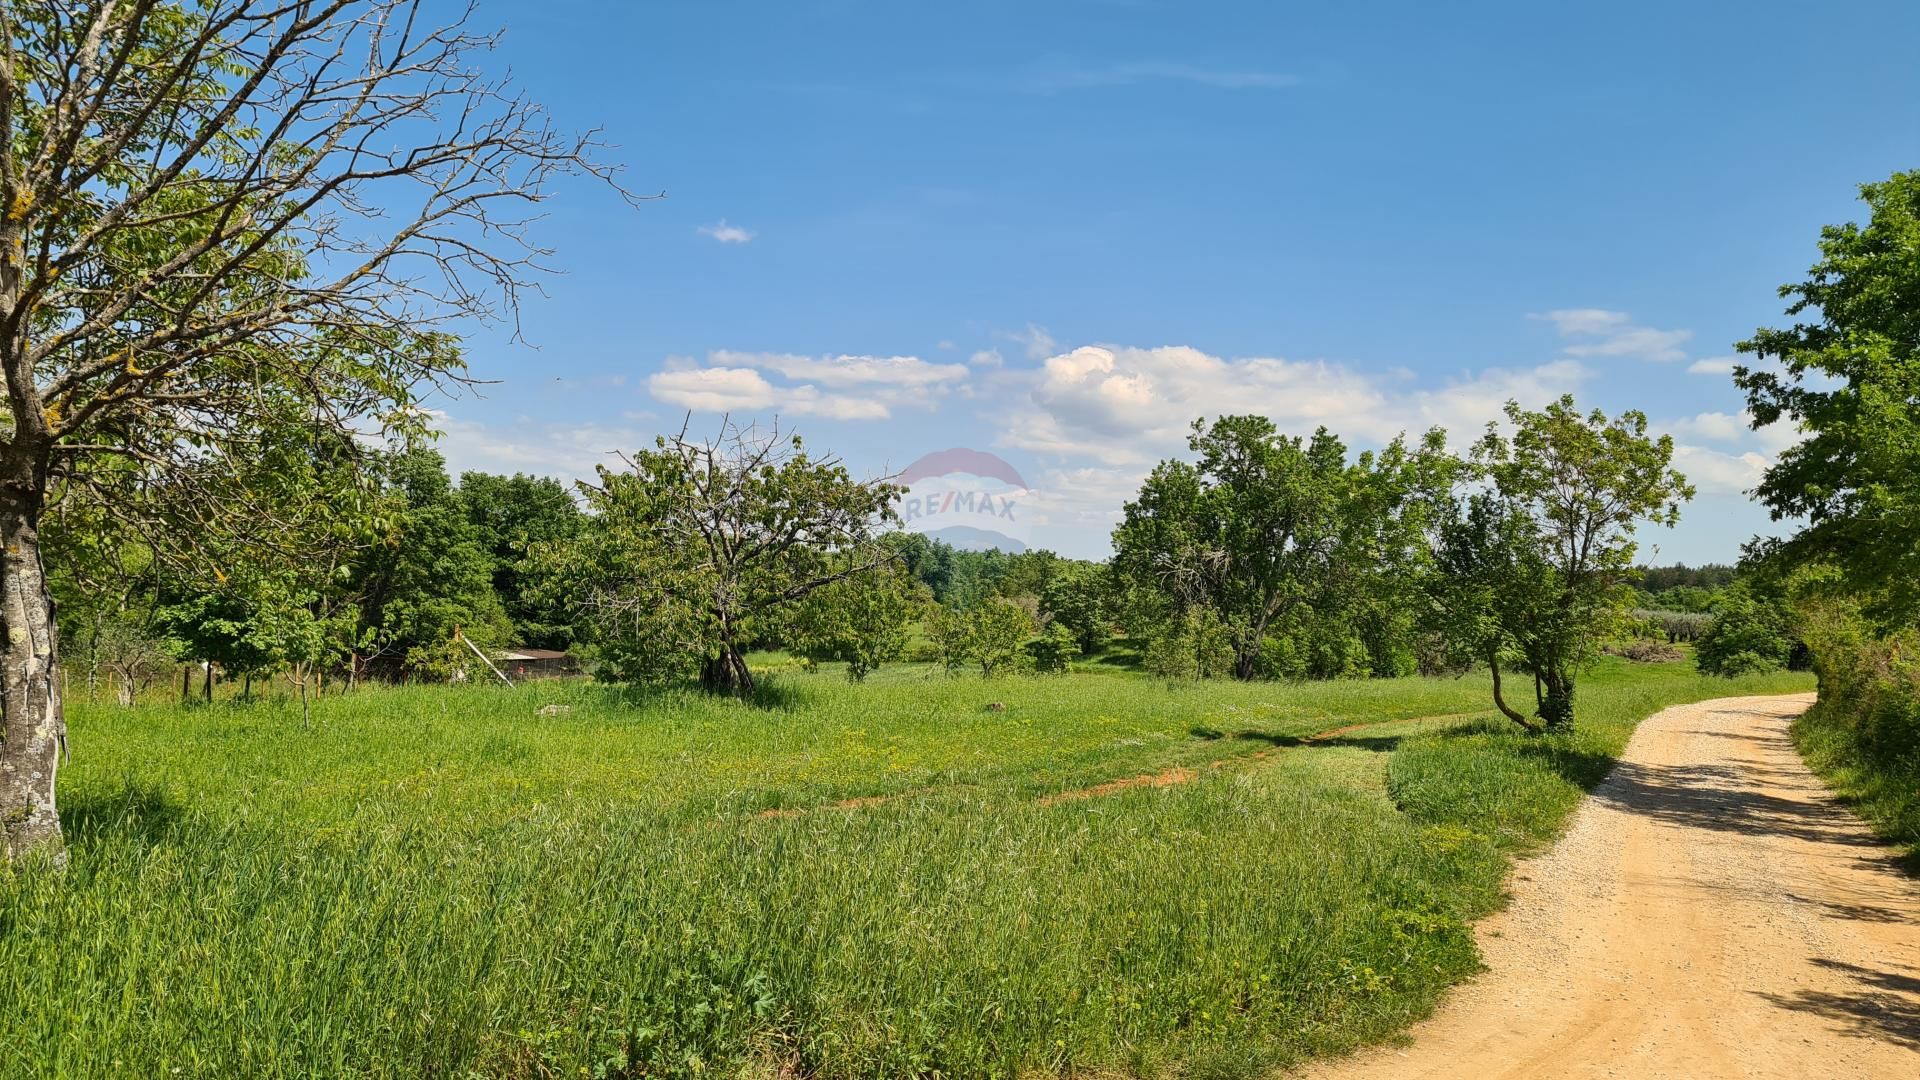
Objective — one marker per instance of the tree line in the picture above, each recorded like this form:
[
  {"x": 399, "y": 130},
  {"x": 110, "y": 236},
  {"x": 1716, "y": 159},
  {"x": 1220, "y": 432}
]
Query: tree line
[{"x": 385, "y": 592}]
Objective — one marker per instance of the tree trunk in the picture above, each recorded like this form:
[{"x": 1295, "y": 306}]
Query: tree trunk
[
  {"x": 186, "y": 682},
  {"x": 207, "y": 688},
  {"x": 726, "y": 673},
  {"x": 1493, "y": 663},
  {"x": 1246, "y": 665},
  {"x": 33, "y": 727},
  {"x": 1557, "y": 708}
]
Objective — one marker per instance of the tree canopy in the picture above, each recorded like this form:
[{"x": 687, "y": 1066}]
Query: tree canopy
[
  {"x": 1535, "y": 559},
  {"x": 1263, "y": 529},
  {"x": 702, "y": 547},
  {"x": 1846, "y": 374}
]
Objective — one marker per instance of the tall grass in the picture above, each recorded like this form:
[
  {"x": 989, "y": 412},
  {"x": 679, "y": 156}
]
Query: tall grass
[{"x": 439, "y": 882}]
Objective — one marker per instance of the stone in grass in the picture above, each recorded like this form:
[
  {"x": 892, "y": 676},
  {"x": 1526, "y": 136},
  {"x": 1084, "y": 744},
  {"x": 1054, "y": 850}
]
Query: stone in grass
[
  {"x": 553, "y": 710},
  {"x": 996, "y": 706}
]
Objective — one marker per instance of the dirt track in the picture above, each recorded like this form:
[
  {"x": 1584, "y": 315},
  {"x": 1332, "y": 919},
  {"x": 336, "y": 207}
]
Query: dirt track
[{"x": 1712, "y": 913}]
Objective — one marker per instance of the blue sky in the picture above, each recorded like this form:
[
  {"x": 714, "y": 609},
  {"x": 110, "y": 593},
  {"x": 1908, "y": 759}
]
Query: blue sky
[{"x": 1058, "y": 231}]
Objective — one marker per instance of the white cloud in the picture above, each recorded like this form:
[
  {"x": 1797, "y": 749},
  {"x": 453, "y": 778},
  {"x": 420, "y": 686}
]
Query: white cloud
[
  {"x": 1126, "y": 406},
  {"x": 833, "y": 387},
  {"x": 1599, "y": 332},
  {"x": 1039, "y": 344},
  {"x": 567, "y": 450},
  {"x": 1712, "y": 471},
  {"x": 1573, "y": 321},
  {"x": 1736, "y": 428},
  {"x": 1464, "y": 406},
  {"x": 741, "y": 389},
  {"x": 725, "y": 233},
  {"x": 1718, "y": 365},
  {"x": 986, "y": 358},
  {"x": 906, "y": 371},
  {"x": 1715, "y": 426}
]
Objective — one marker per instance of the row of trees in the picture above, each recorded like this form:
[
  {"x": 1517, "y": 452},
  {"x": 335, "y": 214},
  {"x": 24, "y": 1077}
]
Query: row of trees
[{"x": 381, "y": 586}]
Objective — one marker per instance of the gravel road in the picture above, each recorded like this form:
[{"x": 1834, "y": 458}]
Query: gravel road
[{"x": 1711, "y": 913}]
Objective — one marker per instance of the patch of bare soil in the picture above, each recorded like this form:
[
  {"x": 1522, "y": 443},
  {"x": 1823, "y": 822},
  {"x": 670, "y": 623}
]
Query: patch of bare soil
[
  {"x": 1165, "y": 778},
  {"x": 1711, "y": 913}
]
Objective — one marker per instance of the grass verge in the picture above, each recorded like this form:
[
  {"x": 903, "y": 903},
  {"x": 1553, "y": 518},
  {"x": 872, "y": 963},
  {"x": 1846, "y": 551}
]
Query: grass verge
[{"x": 440, "y": 882}]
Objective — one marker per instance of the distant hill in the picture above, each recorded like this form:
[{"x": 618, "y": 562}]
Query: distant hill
[{"x": 968, "y": 538}]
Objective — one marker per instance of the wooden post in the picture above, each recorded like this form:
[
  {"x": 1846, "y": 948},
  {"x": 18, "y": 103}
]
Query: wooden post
[{"x": 482, "y": 656}]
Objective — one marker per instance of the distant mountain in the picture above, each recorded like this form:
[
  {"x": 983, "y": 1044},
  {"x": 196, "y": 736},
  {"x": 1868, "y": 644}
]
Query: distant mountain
[{"x": 968, "y": 538}]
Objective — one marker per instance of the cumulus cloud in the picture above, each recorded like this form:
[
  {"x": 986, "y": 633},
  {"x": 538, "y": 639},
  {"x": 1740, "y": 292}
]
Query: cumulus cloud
[
  {"x": 833, "y": 387},
  {"x": 1128, "y": 405},
  {"x": 1122, "y": 405},
  {"x": 741, "y": 389},
  {"x": 1717, "y": 365},
  {"x": 1716, "y": 472},
  {"x": 1717, "y": 426},
  {"x": 847, "y": 370},
  {"x": 1597, "y": 332},
  {"x": 727, "y": 234}
]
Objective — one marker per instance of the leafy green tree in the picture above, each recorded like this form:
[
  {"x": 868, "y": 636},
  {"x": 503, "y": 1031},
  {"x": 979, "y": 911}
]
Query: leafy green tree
[
  {"x": 1193, "y": 644},
  {"x": 268, "y": 591},
  {"x": 1264, "y": 527},
  {"x": 1054, "y": 650},
  {"x": 424, "y": 578},
  {"x": 1534, "y": 569},
  {"x": 219, "y": 223},
  {"x": 702, "y": 547},
  {"x": 1747, "y": 634},
  {"x": 947, "y": 630},
  {"x": 1847, "y": 375},
  {"x": 1077, "y": 599},
  {"x": 512, "y": 514},
  {"x": 1030, "y": 573},
  {"x": 997, "y": 633},
  {"x": 860, "y": 620}
]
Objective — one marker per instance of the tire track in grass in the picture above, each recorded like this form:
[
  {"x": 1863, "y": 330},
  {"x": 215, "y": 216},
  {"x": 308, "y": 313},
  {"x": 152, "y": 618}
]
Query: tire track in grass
[{"x": 1173, "y": 776}]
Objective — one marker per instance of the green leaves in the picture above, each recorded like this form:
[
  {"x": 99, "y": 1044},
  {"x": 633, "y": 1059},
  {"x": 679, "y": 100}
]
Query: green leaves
[
  {"x": 1269, "y": 531},
  {"x": 1533, "y": 560},
  {"x": 860, "y": 620},
  {"x": 701, "y": 549},
  {"x": 1847, "y": 374}
]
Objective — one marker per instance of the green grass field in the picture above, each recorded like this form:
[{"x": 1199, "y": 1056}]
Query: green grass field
[{"x": 873, "y": 881}]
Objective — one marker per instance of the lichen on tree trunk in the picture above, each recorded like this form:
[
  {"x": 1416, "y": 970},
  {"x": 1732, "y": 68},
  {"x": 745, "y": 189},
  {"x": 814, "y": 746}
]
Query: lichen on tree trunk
[{"x": 33, "y": 728}]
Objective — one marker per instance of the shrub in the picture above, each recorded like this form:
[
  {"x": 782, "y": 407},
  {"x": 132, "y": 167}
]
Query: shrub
[
  {"x": 1863, "y": 736},
  {"x": 1054, "y": 650},
  {"x": 997, "y": 630},
  {"x": 1745, "y": 637},
  {"x": 1194, "y": 645}
]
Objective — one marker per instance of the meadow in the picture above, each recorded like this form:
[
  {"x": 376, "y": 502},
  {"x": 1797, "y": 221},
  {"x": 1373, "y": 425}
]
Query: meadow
[{"x": 1092, "y": 874}]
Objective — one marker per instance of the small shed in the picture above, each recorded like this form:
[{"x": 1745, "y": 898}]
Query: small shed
[{"x": 537, "y": 664}]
